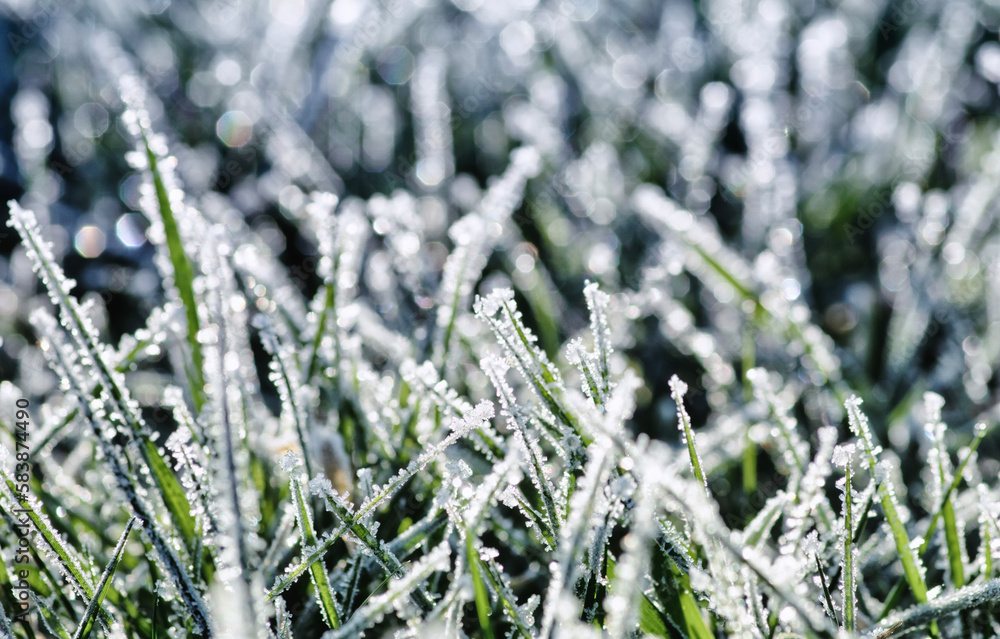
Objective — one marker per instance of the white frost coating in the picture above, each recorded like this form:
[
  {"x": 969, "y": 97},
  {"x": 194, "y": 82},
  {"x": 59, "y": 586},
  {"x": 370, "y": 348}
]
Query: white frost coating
[
  {"x": 5, "y": 630},
  {"x": 229, "y": 374},
  {"x": 724, "y": 272},
  {"x": 701, "y": 237},
  {"x": 794, "y": 450},
  {"x": 518, "y": 421},
  {"x": 189, "y": 223},
  {"x": 597, "y": 303},
  {"x": 393, "y": 374},
  {"x": 678, "y": 389},
  {"x": 476, "y": 418},
  {"x": 933, "y": 403},
  {"x": 937, "y": 455},
  {"x": 319, "y": 486},
  {"x": 115, "y": 408},
  {"x": 858, "y": 422},
  {"x": 843, "y": 454},
  {"x": 289, "y": 462},
  {"x": 843, "y": 457},
  {"x": 810, "y": 499},
  {"x": 283, "y": 619},
  {"x": 378, "y": 606},
  {"x": 621, "y": 403},
  {"x": 499, "y": 312},
  {"x": 475, "y": 236},
  {"x": 69, "y": 562},
  {"x": 503, "y": 196},
  {"x": 587, "y": 507},
  {"x": 759, "y": 528},
  {"x": 435, "y": 158},
  {"x": 944, "y": 605}
]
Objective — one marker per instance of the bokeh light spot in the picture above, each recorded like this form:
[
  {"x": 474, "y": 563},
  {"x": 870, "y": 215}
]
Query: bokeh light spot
[
  {"x": 90, "y": 241},
  {"x": 234, "y": 128},
  {"x": 395, "y": 65},
  {"x": 91, "y": 120},
  {"x": 130, "y": 230}
]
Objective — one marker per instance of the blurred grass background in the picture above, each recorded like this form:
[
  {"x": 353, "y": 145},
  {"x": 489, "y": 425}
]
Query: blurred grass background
[{"x": 876, "y": 121}]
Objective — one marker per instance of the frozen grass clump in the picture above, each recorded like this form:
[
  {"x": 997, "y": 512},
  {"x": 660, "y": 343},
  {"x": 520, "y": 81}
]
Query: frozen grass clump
[{"x": 500, "y": 320}]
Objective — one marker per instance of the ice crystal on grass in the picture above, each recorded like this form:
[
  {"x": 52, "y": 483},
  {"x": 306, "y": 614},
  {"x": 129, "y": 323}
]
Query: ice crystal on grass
[
  {"x": 843, "y": 456},
  {"x": 519, "y": 343},
  {"x": 677, "y": 390}
]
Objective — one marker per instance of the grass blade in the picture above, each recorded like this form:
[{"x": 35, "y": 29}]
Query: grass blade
[
  {"x": 912, "y": 568},
  {"x": 5, "y": 630},
  {"x": 483, "y": 607},
  {"x": 69, "y": 563},
  {"x": 676, "y": 603},
  {"x": 321, "y": 583},
  {"x": 677, "y": 391},
  {"x": 183, "y": 275},
  {"x": 849, "y": 557},
  {"x": 103, "y": 586},
  {"x": 928, "y": 613},
  {"x": 434, "y": 561},
  {"x": 897, "y": 591},
  {"x": 50, "y": 619}
]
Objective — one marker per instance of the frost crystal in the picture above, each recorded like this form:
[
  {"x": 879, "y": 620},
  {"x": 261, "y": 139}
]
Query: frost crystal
[
  {"x": 843, "y": 454},
  {"x": 289, "y": 462}
]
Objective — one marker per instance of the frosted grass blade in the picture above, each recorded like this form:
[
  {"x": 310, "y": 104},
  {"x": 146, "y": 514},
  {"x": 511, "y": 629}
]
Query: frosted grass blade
[
  {"x": 912, "y": 566},
  {"x": 138, "y": 122},
  {"x": 321, "y": 584},
  {"x": 927, "y": 613},
  {"x": 104, "y": 585},
  {"x": 5, "y": 630}
]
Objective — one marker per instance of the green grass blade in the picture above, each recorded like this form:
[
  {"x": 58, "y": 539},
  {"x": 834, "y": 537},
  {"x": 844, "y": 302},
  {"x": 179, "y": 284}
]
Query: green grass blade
[
  {"x": 108, "y": 385},
  {"x": 651, "y": 620},
  {"x": 902, "y": 540},
  {"x": 69, "y": 564},
  {"x": 50, "y": 619},
  {"x": 62, "y": 360},
  {"x": 389, "y": 563},
  {"x": 849, "y": 568},
  {"x": 483, "y": 607},
  {"x": 954, "y": 549},
  {"x": 749, "y": 447},
  {"x": 308, "y": 560},
  {"x": 677, "y": 391},
  {"x": 827, "y": 596},
  {"x": 321, "y": 583},
  {"x": 939, "y": 460},
  {"x": 507, "y": 599},
  {"x": 436, "y": 560},
  {"x": 674, "y": 611},
  {"x": 910, "y": 560},
  {"x": 897, "y": 591},
  {"x": 87, "y": 625},
  {"x": 475, "y": 418},
  {"x": 693, "y": 621},
  {"x": 173, "y": 496},
  {"x": 183, "y": 276},
  {"x": 500, "y": 313},
  {"x": 329, "y": 301},
  {"x": 989, "y": 530}
]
